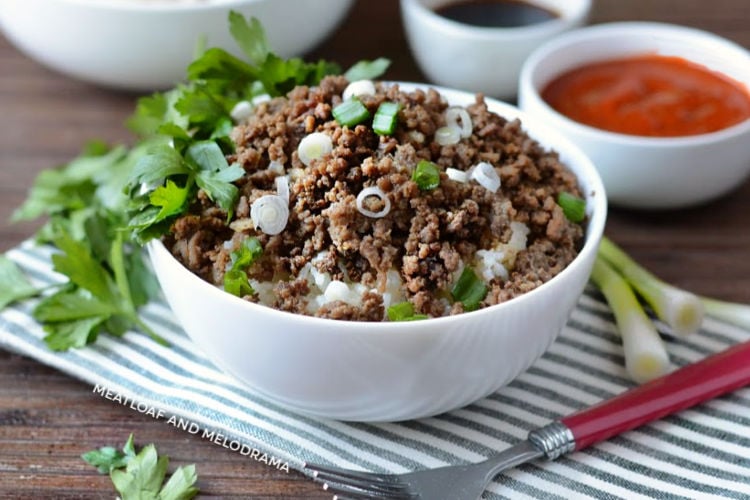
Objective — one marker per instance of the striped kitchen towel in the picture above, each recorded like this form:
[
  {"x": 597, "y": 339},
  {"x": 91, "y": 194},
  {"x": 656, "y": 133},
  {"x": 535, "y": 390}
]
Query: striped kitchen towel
[{"x": 702, "y": 452}]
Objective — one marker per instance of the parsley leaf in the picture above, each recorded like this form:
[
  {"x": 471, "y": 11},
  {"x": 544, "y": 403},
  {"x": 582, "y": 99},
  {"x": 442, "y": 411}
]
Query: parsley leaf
[
  {"x": 76, "y": 262},
  {"x": 218, "y": 64},
  {"x": 201, "y": 106},
  {"x": 149, "y": 114},
  {"x": 154, "y": 110},
  {"x": 235, "y": 279},
  {"x": 218, "y": 187},
  {"x": 142, "y": 476},
  {"x": 71, "y": 305},
  {"x": 139, "y": 476},
  {"x": 214, "y": 175},
  {"x": 280, "y": 76},
  {"x": 180, "y": 484},
  {"x": 143, "y": 284},
  {"x": 72, "y": 334},
  {"x": 206, "y": 155},
  {"x": 97, "y": 296},
  {"x": 251, "y": 37},
  {"x": 160, "y": 162},
  {"x": 404, "y": 311},
  {"x": 107, "y": 458},
  {"x": 16, "y": 285},
  {"x": 236, "y": 283},
  {"x": 170, "y": 197},
  {"x": 248, "y": 253},
  {"x": 69, "y": 187},
  {"x": 196, "y": 116},
  {"x": 367, "y": 70}
]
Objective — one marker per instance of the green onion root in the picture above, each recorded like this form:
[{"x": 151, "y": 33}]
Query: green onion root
[
  {"x": 646, "y": 357},
  {"x": 681, "y": 310}
]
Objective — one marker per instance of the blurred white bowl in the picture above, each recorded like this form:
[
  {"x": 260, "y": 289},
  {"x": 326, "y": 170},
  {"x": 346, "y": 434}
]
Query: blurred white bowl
[
  {"x": 392, "y": 370},
  {"x": 480, "y": 59},
  {"x": 147, "y": 44},
  {"x": 647, "y": 172}
]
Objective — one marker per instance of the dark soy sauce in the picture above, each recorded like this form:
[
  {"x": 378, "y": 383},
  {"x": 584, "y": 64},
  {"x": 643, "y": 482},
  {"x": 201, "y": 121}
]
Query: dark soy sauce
[{"x": 496, "y": 13}]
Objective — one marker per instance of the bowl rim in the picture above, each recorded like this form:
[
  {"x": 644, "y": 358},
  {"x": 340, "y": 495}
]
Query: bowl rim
[
  {"x": 596, "y": 209},
  {"x": 489, "y": 33},
  {"x": 160, "y": 6},
  {"x": 633, "y": 29}
]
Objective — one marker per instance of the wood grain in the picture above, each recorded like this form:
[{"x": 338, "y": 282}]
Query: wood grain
[{"x": 48, "y": 419}]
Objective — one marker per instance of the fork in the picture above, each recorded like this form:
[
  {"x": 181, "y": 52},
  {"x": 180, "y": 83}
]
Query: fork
[{"x": 683, "y": 388}]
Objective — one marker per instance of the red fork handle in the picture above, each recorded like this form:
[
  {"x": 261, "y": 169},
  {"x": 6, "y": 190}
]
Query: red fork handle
[{"x": 683, "y": 388}]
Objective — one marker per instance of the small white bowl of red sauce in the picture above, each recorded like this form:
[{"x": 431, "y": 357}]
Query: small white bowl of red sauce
[
  {"x": 663, "y": 111},
  {"x": 480, "y": 45}
]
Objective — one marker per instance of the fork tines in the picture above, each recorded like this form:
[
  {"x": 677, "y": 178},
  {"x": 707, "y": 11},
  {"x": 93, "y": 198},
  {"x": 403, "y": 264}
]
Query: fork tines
[{"x": 354, "y": 484}]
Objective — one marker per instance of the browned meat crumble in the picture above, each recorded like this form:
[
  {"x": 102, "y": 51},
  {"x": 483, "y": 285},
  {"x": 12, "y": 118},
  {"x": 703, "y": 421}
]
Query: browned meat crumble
[{"x": 427, "y": 236}]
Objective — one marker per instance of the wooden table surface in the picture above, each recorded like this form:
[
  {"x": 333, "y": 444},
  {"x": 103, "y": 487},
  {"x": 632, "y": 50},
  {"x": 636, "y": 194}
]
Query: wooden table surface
[{"x": 48, "y": 419}]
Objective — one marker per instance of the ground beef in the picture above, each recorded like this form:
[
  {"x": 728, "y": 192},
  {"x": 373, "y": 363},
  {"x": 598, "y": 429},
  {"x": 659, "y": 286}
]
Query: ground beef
[{"x": 427, "y": 236}]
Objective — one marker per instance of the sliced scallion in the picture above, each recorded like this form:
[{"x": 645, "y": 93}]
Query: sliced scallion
[
  {"x": 350, "y": 113},
  {"x": 447, "y": 136},
  {"x": 573, "y": 207},
  {"x": 457, "y": 175},
  {"x": 270, "y": 213},
  {"x": 241, "y": 111},
  {"x": 404, "y": 311},
  {"x": 378, "y": 193},
  {"x": 282, "y": 187},
  {"x": 358, "y": 88},
  {"x": 314, "y": 147},
  {"x": 456, "y": 114},
  {"x": 486, "y": 175},
  {"x": 386, "y": 118},
  {"x": 426, "y": 175},
  {"x": 469, "y": 289}
]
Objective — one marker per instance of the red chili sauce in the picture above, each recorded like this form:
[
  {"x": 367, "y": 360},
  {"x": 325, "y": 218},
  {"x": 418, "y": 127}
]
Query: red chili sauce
[{"x": 650, "y": 95}]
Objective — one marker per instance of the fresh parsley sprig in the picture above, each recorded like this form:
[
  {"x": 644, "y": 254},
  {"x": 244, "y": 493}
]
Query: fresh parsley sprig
[
  {"x": 195, "y": 120},
  {"x": 104, "y": 204},
  {"x": 100, "y": 296},
  {"x": 107, "y": 278},
  {"x": 140, "y": 476},
  {"x": 16, "y": 286}
]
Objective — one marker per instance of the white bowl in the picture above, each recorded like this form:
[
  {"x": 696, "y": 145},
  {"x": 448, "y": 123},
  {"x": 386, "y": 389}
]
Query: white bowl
[
  {"x": 480, "y": 59},
  {"x": 392, "y": 370},
  {"x": 647, "y": 172},
  {"x": 147, "y": 44}
]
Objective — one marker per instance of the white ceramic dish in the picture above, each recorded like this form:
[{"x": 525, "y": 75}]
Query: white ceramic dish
[
  {"x": 647, "y": 172},
  {"x": 387, "y": 371},
  {"x": 480, "y": 59},
  {"x": 147, "y": 44}
]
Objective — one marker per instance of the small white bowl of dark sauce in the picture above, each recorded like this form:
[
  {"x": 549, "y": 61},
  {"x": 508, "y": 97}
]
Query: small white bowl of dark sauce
[{"x": 480, "y": 45}]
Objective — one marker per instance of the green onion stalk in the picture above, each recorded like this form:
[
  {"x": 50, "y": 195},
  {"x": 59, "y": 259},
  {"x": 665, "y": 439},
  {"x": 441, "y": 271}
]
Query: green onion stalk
[
  {"x": 646, "y": 356},
  {"x": 681, "y": 310},
  {"x": 736, "y": 314}
]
